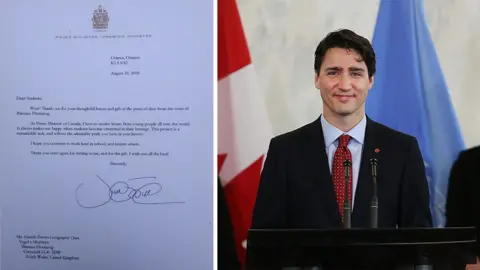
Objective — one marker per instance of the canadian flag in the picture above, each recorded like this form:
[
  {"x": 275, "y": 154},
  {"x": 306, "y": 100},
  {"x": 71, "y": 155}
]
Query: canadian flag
[{"x": 244, "y": 130}]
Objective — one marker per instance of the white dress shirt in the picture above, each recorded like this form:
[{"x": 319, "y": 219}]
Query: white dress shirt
[{"x": 357, "y": 134}]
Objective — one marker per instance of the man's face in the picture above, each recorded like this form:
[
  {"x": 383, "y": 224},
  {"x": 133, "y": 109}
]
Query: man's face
[{"x": 343, "y": 82}]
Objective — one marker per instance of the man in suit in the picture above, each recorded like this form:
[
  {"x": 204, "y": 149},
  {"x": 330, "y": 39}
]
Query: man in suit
[
  {"x": 302, "y": 182},
  {"x": 463, "y": 201}
]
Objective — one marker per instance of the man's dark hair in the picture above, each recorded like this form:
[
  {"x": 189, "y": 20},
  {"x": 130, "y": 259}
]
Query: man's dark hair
[{"x": 346, "y": 39}]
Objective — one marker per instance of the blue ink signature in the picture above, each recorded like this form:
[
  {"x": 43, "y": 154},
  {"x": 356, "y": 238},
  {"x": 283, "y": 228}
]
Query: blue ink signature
[{"x": 121, "y": 192}]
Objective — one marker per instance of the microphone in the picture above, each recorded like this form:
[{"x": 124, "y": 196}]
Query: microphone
[
  {"x": 347, "y": 212},
  {"x": 374, "y": 202}
]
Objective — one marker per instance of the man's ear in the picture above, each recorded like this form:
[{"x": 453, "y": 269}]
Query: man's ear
[
  {"x": 316, "y": 78},
  {"x": 370, "y": 84}
]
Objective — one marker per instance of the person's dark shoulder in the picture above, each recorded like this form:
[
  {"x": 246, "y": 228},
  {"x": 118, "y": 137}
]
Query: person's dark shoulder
[
  {"x": 392, "y": 136},
  {"x": 297, "y": 135},
  {"x": 468, "y": 158},
  {"x": 471, "y": 153}
]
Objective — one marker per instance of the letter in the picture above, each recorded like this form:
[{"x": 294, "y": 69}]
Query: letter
[{"x": 89, "y": 178}]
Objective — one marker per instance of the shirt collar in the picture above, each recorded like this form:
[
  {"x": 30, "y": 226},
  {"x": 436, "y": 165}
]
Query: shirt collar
[{"x": 331, "y": 133}]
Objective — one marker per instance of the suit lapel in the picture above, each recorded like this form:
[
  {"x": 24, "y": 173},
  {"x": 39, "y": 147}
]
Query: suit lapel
[
  {"x": 319, "y": 171},
  {"x": 364, "y": 192}
]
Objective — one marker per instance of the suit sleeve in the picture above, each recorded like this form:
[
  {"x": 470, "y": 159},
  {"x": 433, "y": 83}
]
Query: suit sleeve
[
  {"x": 458, "y": 212},
  {"x": 415, "y": 196},
  {"x": 270, "y": 209}
]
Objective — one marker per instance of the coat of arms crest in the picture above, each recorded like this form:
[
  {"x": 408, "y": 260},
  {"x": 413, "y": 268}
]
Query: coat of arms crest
[{"x": 100, "y": 18}]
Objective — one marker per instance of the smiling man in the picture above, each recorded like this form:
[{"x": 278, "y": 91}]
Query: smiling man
[{"x": 303, "y": 179}]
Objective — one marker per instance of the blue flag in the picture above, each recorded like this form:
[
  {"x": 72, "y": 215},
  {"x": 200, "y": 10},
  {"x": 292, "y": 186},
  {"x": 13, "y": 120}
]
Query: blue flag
[{"x": 410, "y": 93}]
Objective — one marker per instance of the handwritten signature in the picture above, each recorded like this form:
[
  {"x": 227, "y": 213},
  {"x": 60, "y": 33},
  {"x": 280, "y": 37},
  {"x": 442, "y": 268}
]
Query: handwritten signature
[{"x": 121, "y": 192}]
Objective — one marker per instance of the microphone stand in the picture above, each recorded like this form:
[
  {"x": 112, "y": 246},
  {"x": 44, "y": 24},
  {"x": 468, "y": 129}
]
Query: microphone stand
[
  {"x": 374, "y": 202},
  {"x": 347, "y": 211}
]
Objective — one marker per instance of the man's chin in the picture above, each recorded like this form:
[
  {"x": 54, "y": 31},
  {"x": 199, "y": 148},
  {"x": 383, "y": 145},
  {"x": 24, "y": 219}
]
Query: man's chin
[{"x": 344, "y": 112}]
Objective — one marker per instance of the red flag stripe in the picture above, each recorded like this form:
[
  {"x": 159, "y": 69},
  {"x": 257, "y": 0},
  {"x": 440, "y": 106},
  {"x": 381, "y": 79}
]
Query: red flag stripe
[
  {"x": 232, "y": 44},
  {"x": 243, "y": 125},
  {"x": 220, "y": 160},
  {"x": 241, "y": 193}
]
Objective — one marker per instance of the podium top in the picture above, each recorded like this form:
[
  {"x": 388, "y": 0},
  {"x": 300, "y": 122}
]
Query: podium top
[
  {"x": 359, "y": 247},
  {"x": 264, "y": 238}
]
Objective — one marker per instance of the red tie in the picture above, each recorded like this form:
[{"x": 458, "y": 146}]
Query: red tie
[{"x": 338, "y": 173}]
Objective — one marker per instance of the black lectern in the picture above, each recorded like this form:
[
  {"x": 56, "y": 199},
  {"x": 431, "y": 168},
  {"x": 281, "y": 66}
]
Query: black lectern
[{"x": 402, "y": 248}]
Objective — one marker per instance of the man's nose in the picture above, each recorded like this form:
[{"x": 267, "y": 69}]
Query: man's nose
[{"x": 345, "y": 83}]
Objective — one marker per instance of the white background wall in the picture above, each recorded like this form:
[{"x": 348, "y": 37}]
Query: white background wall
[{"x": 283, "y": 35}]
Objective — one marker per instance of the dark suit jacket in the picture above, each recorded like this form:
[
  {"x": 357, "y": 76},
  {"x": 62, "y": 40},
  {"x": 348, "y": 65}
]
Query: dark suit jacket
[
  {"x": 463, "y": 201},
  {"x": 296, "y": 188}
]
